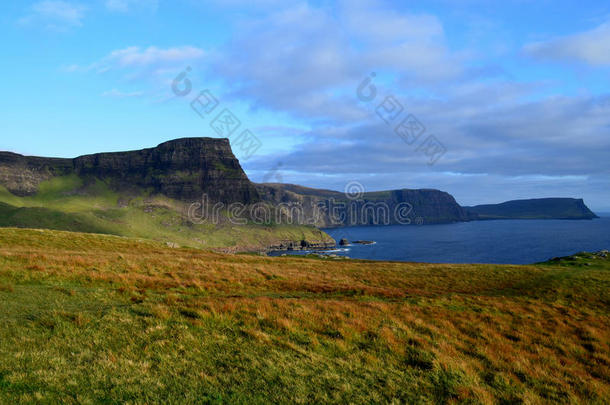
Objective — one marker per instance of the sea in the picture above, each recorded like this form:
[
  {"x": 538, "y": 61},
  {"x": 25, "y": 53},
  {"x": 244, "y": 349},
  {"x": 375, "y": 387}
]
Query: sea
[{"x": 492, "y": 241}]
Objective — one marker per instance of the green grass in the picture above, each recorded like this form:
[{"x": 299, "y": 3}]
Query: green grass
[{"x": 103, "y": 319}]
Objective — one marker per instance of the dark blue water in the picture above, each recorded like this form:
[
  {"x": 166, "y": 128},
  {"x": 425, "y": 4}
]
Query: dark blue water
[{"x": 502, "y": 241}]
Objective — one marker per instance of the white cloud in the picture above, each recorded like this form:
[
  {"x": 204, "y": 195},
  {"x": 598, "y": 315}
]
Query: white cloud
[
  {"x": 54, "y": 15},
  {"x": 117, "y": 5},
  {"x": 137, "y": 61},
  {"x": 309, "y": 70},
  {"x": 253, "y": 4},
  {"x": 279, "y": 62},
  {"x": 151, "y": 68},
  {"x": 137, "y": 57},
  {"x": 120, "y": 94},
  {"x": 367, "y": 20},
  {"x": 412, "y": 44},
  {"x": 71, "y": 68},
  {"x": 589, "y": 47},
  {"x": 124, "y": 6}
]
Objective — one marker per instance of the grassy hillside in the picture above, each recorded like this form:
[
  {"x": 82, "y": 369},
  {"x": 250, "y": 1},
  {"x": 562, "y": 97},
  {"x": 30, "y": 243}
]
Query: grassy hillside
[
  {"x": 67, "y": 203},
  {"x": 92, "y": 318}
]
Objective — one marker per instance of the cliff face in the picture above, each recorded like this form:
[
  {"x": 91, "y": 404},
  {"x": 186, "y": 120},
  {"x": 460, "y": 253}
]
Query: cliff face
[
  {"x": 326, "y": 208},
  {"x": 539, "y": 208},
  {"x": 183, "y": 169}
]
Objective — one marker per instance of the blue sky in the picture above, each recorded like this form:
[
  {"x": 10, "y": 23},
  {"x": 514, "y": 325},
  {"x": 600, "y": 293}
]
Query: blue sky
[{"x": 516, "y": 93}]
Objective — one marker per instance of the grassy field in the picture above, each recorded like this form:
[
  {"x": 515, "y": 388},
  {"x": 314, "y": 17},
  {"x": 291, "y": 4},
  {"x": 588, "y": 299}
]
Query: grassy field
[
  {"x": 65, "y": 203},
  {"x": 91, "y": 318}
]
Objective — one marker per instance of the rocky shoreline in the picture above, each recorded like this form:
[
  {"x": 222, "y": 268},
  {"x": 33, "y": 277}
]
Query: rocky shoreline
[
  {"x": 302, "y": 245},
  {"x": 283, "y": 245}
]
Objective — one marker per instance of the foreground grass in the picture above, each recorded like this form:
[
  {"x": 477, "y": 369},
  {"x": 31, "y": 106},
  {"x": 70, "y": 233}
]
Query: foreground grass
[{"x": 90, "y": 318}]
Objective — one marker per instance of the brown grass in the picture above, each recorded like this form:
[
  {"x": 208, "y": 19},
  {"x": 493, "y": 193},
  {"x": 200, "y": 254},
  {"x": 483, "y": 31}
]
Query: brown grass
[{"x": 487, "y": 333}]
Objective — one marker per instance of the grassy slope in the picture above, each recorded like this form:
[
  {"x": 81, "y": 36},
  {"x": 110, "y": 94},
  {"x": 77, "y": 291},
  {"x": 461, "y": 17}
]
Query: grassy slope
[
  {"x": 64, "y": 203},
  {"x": 93, "y": 318}
]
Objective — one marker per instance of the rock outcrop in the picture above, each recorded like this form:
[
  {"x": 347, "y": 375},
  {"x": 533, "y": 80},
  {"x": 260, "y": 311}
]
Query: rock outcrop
[
  {"x": 21, "y": 175},
  {"x": 303, "y": 245}
]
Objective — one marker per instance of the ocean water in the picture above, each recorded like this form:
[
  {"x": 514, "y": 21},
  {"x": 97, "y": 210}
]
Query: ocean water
[{"x": 498, "y": 241}]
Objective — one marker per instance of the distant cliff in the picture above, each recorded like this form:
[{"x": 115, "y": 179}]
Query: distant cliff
[
  {"x": 187, "y": 169},
  {"x": 539, "y": 208},
  {"x": 326, "y": 208},
  {"x": 183, "y": 169}
]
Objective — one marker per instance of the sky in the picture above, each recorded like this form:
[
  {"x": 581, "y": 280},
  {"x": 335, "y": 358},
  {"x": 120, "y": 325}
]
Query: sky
[{"x": 489, "y": 101}]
